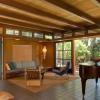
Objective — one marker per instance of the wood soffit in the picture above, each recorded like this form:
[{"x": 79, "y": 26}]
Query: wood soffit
[{"x": 51, "y": 15}]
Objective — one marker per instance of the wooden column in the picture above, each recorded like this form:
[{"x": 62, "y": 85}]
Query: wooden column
[{"x": 73, "y": 57}]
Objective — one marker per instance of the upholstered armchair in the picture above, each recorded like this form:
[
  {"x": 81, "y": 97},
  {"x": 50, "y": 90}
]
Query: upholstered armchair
[{"x": 63, "y": 71}]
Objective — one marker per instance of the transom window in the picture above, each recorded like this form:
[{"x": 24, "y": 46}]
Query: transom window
[
  {"x": 48, "y": 36},
  {"x": 38, "y": 35},
  {"x": 57, "y": 35},
  {"x": 27, "y": 33},
  {"x": 12, "y": 31}
]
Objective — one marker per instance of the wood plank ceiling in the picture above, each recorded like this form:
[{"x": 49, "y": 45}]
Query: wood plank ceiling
[{"x": 50, "y": 15}]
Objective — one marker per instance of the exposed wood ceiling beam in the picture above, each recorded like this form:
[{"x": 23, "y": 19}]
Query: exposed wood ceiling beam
[
  {"x": 96, "y": 2},
  {"x": 30, "y": 15},
  {"x": 5, "y": 24},
  {"x": 24, "y": 9},
  {"x": 14, "y": 22},
  {"x": 26, "y": 23},
  {"x": 27, "y": 27},
  {"x": 33, "y": 21},
  {"x": 73, "y": 10},
  {"x": 23, "y": 24}
]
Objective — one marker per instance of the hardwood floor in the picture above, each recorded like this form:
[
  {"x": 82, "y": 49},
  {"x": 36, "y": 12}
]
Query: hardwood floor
[{"x": 67, "y": 91}]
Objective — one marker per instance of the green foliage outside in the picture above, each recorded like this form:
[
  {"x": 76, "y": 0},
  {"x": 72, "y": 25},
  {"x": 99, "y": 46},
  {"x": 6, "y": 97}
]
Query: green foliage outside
[
  {"x": 87, "y": 49},
  {"x": 82, "y": 52}
]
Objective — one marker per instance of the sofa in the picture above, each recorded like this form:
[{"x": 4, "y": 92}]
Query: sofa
[{"x": 13, "y": 69}]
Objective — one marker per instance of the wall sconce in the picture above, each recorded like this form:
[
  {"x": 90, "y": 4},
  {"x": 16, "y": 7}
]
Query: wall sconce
[{"x": 44, "y": 50}]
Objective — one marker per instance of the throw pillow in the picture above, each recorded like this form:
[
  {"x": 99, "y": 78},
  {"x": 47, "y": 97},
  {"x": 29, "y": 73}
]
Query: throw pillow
[
  {"x": 12, "y": 66},
  {"x": 7, "y": 67}
]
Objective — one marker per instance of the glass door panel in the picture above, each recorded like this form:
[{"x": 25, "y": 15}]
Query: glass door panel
[
  {"x": 58, "y": 46},
  {"x": 59, "y": 54},
  {"x": 63, "y": 53},
  {"x": 67, "y": 45}
]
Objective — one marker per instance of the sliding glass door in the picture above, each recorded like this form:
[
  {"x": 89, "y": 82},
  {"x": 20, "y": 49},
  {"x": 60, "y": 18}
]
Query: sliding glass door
[{"x": 63, "y": 53}]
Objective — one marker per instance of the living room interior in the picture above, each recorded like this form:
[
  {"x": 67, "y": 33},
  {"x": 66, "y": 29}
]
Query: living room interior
[{"x": 44, "y": 45}]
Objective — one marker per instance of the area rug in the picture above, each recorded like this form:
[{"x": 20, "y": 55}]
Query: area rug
[{"x": 48, "y": 81}]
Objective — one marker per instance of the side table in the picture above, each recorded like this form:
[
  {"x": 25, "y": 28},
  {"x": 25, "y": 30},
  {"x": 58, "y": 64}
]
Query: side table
[{"x": 33, "y": 77}]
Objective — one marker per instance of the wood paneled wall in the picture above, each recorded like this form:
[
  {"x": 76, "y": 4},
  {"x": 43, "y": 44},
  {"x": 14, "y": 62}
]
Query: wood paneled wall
[
  {"x": 8, "y": 47},
  {"x": 49, "y": 61},
  {"x": 36, "y": 50},
  {"x": 22, "y": 53}
]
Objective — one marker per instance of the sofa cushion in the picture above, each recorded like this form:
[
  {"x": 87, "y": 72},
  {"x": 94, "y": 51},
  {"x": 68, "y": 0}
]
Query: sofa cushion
[
  {"x": 29, "y": 64},
  {"x": 33, "y": 64},
  {"x": 12, "y": 65},
  {"x": 15, "y": 71},
  {"x": 19, "y": 65},
  {"x": 25, "y": 64}
]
